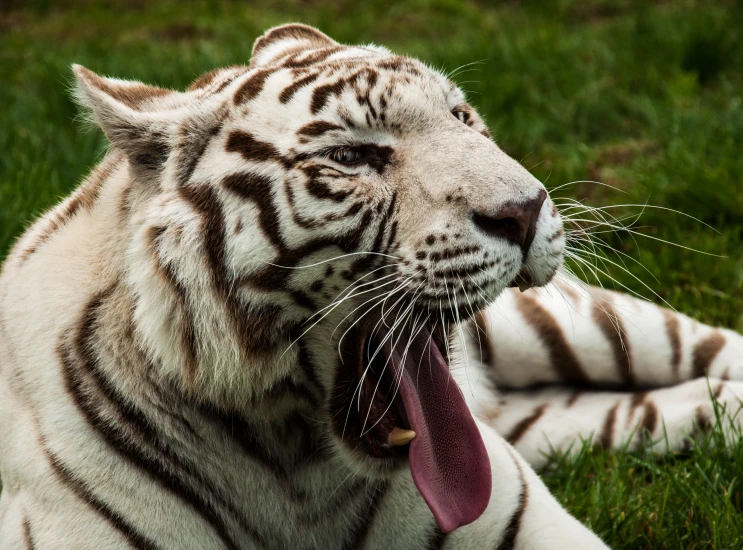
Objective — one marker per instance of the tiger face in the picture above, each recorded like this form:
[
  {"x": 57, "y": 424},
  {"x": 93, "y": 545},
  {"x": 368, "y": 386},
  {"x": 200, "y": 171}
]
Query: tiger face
[{"x": 316, "y": 221}]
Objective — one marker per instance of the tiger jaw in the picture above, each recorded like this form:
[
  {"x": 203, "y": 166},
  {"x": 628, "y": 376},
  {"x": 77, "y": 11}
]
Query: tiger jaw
[{"x": 394, "y": 398}]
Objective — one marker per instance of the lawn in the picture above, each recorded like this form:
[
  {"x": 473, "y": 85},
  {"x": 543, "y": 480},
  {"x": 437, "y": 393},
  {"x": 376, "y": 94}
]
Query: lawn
[{"x": 642, "y": 96}]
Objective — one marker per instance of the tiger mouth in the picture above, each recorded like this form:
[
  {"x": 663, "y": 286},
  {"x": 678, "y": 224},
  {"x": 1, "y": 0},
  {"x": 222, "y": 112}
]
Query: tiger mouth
[
  {"x": 395, "y": 399},
  {"x": 377, "y": 418}
]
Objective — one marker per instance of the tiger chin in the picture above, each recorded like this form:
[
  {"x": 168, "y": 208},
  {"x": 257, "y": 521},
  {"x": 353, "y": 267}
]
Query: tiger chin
[{"x": 243, "y": 329}]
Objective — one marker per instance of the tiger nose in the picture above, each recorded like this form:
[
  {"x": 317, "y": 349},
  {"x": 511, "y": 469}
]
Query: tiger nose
[{"x": 515, "y": 222}]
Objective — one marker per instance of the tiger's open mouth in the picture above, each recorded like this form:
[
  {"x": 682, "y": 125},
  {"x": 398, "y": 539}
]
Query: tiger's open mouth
[{"x": 395, "y": 398}]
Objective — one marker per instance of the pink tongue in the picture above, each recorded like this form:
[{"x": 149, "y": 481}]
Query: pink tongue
[{"x": 448, "y": 460}]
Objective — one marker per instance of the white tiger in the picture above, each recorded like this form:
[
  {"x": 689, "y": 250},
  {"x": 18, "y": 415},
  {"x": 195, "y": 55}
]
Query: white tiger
[{"x": 235, "y": 333}]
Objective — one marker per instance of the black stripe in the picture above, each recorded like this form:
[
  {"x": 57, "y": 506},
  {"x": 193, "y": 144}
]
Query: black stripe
[
  {"x": 523, "y": 426},
  {"x": 252, "y": 149},
  {"x": 612, "y": 326},
  {"x": 508, "y": 541},
  {"x": 437, "y": 540},
  {"x": 187, "y": 332},
  {"x": 258, "y": 188},
  {"x": 329, "y": 509},
  {"x": 369, "y": 261},
  {"x": 299, "y": 446},
  {"x": 84, "y": 197},
  {"x": 131, "y": 417},
  {"x": 28, "y": 537},
  {"x": 705, "y": 352},
  {"x": 318, "y": 128},
  {"x": 194, "y": 138},
  {"x": 365, "y": 527},
  {"x": 83, "y": 492},
  {"x": 607, "y": 432},
  {"x": 562, "y": 355},
  {"x": 308, "y": 367},
  {"x": 253, "y": 326},
  {"x": 287, "y": 93}
]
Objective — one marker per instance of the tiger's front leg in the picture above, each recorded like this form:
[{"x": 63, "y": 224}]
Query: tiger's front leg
[
  {"x": 571, "y": 334},
  {"x": 522, "y": 514},
  {"x": 539, "y": 422}
]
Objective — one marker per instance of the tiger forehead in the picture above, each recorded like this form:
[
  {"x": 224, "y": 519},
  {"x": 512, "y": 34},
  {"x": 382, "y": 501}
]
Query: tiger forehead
[{"x": 331, "y": 71}]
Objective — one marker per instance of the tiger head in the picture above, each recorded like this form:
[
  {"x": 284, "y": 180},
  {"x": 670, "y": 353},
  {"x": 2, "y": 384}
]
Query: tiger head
[{"x": 306, "y": 227}]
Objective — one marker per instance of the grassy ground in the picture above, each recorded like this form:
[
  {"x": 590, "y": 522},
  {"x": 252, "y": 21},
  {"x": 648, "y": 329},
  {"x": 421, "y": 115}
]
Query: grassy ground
[{"x": 646, "y": 99}]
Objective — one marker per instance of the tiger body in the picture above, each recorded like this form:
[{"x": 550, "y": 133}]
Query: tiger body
[{"x": 178, "y": 338}]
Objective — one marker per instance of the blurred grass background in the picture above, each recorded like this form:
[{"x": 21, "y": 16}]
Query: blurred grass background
[{"x": 643, "y": 96}]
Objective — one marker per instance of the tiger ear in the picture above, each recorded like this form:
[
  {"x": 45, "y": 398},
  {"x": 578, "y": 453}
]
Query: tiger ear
[
  {"x": 141, "y": 120},
  {"x": 285, "y": 39}
]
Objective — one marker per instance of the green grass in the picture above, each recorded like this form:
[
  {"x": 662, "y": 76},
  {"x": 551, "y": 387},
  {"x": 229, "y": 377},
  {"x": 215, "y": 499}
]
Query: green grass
[{"x": 642, "y": 96}]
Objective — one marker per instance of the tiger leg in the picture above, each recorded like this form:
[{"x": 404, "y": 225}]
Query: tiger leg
[
  {"x": 572, "y": 335},
  {"x": 540, "y": 421},
  {"x": 522, "y": 514}
]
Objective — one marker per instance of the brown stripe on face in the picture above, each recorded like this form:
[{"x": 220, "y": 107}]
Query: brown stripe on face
[
  {"x": 204, "y": 80},
  {"x": 83, "y": 199},
  {"x": 254, "y": 327},
  {"x": 612, "y": 326},
  {"x": 259, "y": 189},
  {"x": 551, "y": 335},
  {"x": 399, "y": 64},
  {"x": 208, "y": 78},
  {"x": 252, "y": 86},
  {"x": 556, "y": 235},
  {"x": 508, "y": 542},
  {"x": 650, "y": 418},
  {"x": 301, "y": 61},
  {"x": 607, "y": 432},
  {"x": 523, "y": 426},
  {"x": 28, "y": 538},
  {"x": 705, "y": 352},
  {"x": 252, "y": 149},
  {"x": 321, "y": 190},
  {"x": 366, "y": 525},
  {"x": 310, "y": 222},
  {"x": 573, "y": 399},
  {"x": 187, "y": 332},
  {"x": 317, "y": 128},
  {"x": 674, "y": 339},
  {"x": 194, "y": 137},
  {"x": 288, "y": 93},
  {"x": 321, "y": 94}
]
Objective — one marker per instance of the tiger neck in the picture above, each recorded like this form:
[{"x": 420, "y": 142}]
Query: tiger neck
[{"x": 280, "y": 427}]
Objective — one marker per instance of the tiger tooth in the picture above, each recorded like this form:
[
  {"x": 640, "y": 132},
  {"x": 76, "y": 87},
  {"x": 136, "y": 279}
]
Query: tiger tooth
[{"x": 399, "y": 437}]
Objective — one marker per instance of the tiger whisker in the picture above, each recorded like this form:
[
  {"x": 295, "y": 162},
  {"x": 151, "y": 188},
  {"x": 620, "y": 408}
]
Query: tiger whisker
[
  {"x": 401, "y": 369},
  {"x": 316, "y": 322},
  {"x": 404, "y": 320}
]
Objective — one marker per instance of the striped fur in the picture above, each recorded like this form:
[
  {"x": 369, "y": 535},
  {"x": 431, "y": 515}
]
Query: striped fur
[
  {"x": 638, "y": 371},
  {"x": 172, "y": 335}
]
